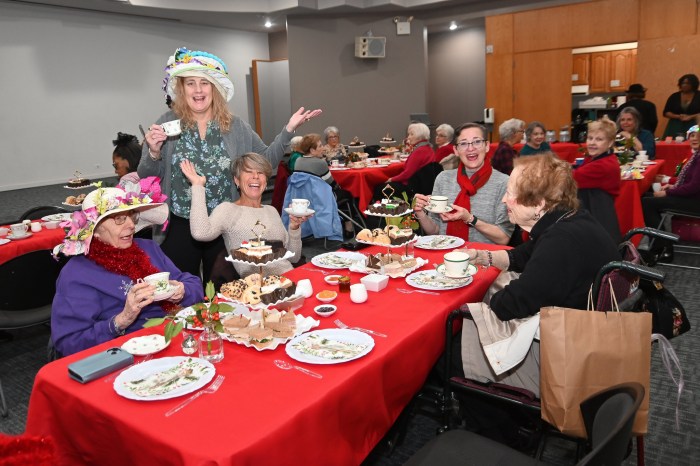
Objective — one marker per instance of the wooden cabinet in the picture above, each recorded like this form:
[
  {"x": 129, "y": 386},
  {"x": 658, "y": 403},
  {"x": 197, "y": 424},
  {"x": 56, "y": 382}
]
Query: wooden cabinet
[
  {"x": 581, "y": 69},
  {"x": 610, "y": 71}
]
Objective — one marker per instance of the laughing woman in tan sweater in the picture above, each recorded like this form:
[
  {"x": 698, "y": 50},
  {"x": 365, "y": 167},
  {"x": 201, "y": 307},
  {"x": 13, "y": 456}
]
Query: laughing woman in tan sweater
[{"x": 236, "y": 220}]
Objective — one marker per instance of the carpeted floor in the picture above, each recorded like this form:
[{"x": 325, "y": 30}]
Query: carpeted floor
[{"x": 23, "y": 352}]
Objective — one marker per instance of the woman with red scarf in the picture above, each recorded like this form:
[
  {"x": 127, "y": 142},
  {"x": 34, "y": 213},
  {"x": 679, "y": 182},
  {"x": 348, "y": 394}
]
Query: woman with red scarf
[
  {"x": 99, "y": 294},
  {"x": 474, "y": 191}
]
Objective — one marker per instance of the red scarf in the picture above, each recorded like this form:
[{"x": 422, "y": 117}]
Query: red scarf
[
  {"x": 468, "y": 187},
  {"x": 132, "y": 262}
]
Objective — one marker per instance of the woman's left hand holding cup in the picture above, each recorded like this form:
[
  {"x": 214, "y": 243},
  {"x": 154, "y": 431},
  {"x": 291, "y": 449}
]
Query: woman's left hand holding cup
[{"x": 179, "y": 291}]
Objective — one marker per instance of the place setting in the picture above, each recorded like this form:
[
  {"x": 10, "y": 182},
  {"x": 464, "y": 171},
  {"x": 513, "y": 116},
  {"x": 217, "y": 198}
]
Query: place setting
[
  {"x": 455, "y": 272},
  {"x": 300, "y": 208},
  {"x": 19, "y": 231},
  {"x": 438, "y": 205}
]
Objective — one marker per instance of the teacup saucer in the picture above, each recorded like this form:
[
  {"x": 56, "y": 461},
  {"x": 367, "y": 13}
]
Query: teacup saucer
[
  {"x": 305, "y": 214},
  {"x": 15, "y": 238},
  {"x": 444, "y": 210},
  {"x": 4, "y": 241},
  {"x": 471, "y": 270},
  {"x": 160, "y": 296}
]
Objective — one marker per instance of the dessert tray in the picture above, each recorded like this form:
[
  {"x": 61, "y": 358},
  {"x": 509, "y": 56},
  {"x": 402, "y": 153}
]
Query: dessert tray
[
  {"x": 432, "y": 280},
  {"x": 287, "y": 255},
  {"x": 164, "y": 378},
  {"x": 226, "y": 300},
  {"x": 303, "y": 324},
  {"x": 405, "y": 212},
  {"x": 337, "y": 260},
  {"x": 363, "y": 268},
  {"x": 439, "y": 242},
  {"x": 392, "y": 246},
  {"x": 330, "y": 346}
]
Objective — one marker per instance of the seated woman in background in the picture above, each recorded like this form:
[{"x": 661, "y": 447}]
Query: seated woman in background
[
  {"x": 295, "y": 153},
  {"x": 682, "y": 193},
  {"x": 474, "y": 189},
  {"x": 98, "y": 294},
  {"x": 535, "y": 134},
  {"x": 421, "y": 154},
  {"x": 236, "y": 221},
  {"x": 333, "y": 149},
  {"x": 312, "y": 160},
  {"x": 510, "y": 133},
  {"x": 443, "y": 141},
  {"x": 598, "y": 177},
  {"x": 629, "y": 124},
  {"x": 556, "y": 266},
  {"x": 126, "y": 158}
]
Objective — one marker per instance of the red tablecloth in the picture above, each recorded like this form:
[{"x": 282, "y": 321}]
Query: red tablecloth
[
  {"x": 44, "y": 239},
  {"x": 565, "y": 150},
  {"x": 262, "y": 414},
  {"x": 673, "y": 153},
  {"x": 629, "y": 203},
  {"x": 360, "y": 182}
]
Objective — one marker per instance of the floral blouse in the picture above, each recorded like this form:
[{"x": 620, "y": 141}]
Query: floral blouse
[{"x": 210, "y": 159}]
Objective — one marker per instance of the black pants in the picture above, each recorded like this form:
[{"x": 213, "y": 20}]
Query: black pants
[
  {"x": 653, "y": 207},
  {"x": 190, "y": 255}
]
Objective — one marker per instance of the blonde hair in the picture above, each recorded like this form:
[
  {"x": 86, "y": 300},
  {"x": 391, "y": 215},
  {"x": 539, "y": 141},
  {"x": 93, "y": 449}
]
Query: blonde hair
[
  {"x": 546, "y": 177},
  {"x": 252, "y": 161},
  {"x": 220, "y": 112},
  {"x": 605, "y": 125}
]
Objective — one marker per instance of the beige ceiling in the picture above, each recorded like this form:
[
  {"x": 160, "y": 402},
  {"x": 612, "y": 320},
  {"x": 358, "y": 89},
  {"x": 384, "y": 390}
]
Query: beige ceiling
[{"x": 250, "y": 15}]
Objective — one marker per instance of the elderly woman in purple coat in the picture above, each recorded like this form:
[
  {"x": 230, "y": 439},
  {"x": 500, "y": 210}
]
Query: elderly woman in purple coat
[{"x": 99, "y": 293}]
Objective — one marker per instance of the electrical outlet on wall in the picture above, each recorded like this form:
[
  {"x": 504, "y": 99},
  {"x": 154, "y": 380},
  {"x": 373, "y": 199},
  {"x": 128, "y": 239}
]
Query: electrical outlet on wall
[{"x": 489, "y": 48}]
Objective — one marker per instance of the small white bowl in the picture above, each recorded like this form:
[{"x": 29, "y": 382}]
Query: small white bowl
[
  {"x": 332, "y": 279},
  {"x": 326, "y": 300},
  {"x": 375, "y": 282},
  {"x": 326, "y": 306},
  {"x": 51, "y": 225}
]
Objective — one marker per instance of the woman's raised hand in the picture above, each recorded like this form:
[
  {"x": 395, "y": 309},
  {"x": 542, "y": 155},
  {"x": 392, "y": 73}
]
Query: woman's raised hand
[
  {"x": 190, "y": 172},
  {"x": 300, "y": 117},
  {"x": 155, "y": 137}
]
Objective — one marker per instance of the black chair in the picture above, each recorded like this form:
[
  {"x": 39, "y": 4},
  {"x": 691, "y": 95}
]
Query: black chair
[
  {"x": 42, "y": 211},
  {"x": 680, "y": 248},
  {"x": 28, "y": 287},
  {"x": 608, "y": 417},
  {"x": 423, "y": 180}
]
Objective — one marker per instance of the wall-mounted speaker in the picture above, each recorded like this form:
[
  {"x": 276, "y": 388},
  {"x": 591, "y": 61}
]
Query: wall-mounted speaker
[{"x": 370, "y": 47}]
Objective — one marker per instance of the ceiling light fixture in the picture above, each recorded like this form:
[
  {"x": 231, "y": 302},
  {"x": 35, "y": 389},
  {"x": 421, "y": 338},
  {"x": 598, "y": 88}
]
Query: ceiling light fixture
[
  {"x": 453, "y": 26},
  {"x": 268, "y": 24}
]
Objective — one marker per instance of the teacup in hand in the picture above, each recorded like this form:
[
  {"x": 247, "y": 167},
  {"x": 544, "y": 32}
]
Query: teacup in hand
[
  {"x": 160, "y": 281},
  {"x": 19, "y": 229},
  {"x": 171, "y": 128},
  {"x": 456, "y": 264},
  {"x": 437, "y": 203},
  {"x": 656, "y": 187},
  {"x": 300, "y": 206}
]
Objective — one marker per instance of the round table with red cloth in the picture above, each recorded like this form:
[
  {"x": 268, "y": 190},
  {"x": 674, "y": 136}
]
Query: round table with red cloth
[
  {"x": 44, "y": 239},
  {"x": 360, "y": 182}
]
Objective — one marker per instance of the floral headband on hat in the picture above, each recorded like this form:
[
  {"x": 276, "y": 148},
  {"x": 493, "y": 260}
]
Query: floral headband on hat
[
  {"x": 186, "y": 63},
  {"x": 103, "y": 202}
]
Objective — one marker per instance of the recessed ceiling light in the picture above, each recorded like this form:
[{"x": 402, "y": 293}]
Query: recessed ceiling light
[
  {"x": 453, "y": 26},
  {"x": 268, "y": 24}
]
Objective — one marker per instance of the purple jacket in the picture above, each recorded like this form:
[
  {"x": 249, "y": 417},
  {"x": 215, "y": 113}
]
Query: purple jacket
[
  {"x": 691, "y": 182},
  {"x": 88, "y": 296}
]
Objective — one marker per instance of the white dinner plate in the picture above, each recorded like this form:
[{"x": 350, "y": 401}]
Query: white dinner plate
[
  {"x": 432, "y": 280},
  {"x": 160, "y": 296},
  {"x": 649, "y": 163},
  {"x": 305, "y": 214},
  {"x": 438, "y": 242},
  {"x": 205, "y": 370},
  {"x": 364, "y": 342},
  {"x": 337, "y": 260},
  {"x": 56, "y": 217},
  {"x": 17, "y": 238},
  {"x": 148, "y": 344},
  {"x": 4, "y": 241},
  {"x": 471, "y": 270}
]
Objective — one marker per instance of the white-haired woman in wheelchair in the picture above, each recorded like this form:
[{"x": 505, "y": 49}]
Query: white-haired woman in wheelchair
[{"x": 556, "y": 267}]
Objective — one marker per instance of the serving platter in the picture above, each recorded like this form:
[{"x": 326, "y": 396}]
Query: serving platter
[
  {"x": 201, "y": 374},
  {"x": 330, "y": 346},
  {"x": 362, "y": 268},
  {"x": 303, "y": 324}
]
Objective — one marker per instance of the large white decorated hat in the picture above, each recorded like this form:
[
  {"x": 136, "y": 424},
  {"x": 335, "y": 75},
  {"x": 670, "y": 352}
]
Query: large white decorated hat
[{"x": 188, "y": 63}]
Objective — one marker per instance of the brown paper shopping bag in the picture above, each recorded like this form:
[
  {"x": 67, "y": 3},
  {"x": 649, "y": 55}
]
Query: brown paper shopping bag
[{"x": 584, "y": 352}]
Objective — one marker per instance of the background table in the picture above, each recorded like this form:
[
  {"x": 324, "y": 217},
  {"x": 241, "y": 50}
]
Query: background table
[
  {"x": 262, "y": 414},
  {"x": 628, "y": 204},
  {"x": 360, "y": 182},
  {"x": 44, "y": 239},
  {"x": 672, "y": 153}
]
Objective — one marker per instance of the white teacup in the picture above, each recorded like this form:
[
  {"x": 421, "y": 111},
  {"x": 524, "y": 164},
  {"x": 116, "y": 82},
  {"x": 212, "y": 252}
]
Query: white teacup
[
  {"x": 358, "y": 293},
  {"x": 4, "y": 231},
  {"x": 665, "y": 179},
  {"x": 36, "y": 227},
  {"x": 304, "y": 288},
  {"x": 641, "y": 158},
  {"x": 159, "y": 280},
  {"x": 642, "y": 153},
  {"x": 438, "y": 203},
  {"x": 679, "y": 139},
  {"x": 300, "y": 206},
  {"x": 656, "y": 187},
  {"x": 335, "y": 163},
  {"x": 171, "y": 128},
  {"x": 19, "y": 229},
  {"x": 456, "y": 264}
]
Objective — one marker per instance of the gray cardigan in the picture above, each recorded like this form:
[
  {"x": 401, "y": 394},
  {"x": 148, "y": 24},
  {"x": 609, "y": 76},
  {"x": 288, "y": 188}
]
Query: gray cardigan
[{"x": 239, "y": 140}]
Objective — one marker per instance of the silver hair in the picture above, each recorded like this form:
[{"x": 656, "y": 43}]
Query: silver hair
[
  {"x": 532, "y": 126},
  {"x": 509, "y": 127},
  {"x": 328, "y": 131},
  {"x": 421, "y": 130},
  {"x": 635, "y": 114},
  {"x": 294, "y": 143},
  {"x": 449, "y": 130}
]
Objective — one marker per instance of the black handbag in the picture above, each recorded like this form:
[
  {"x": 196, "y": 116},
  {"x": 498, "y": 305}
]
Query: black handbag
[{"x": 668, "y": 315}]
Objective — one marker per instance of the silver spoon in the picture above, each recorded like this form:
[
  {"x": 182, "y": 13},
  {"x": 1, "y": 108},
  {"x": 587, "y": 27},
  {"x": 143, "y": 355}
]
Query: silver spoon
[{"x": 287, "y": 366}]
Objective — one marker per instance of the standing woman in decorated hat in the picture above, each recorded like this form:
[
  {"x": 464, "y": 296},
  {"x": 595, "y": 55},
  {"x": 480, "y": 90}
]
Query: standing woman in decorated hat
[{"x": 212, "y": 138}]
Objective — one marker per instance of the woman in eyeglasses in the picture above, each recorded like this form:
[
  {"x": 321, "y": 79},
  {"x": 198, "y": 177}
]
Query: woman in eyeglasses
[
  {"x": 474, "y": 191},
  {"x": 126, "y": 157},
  {"x": 333, "y": 149}
]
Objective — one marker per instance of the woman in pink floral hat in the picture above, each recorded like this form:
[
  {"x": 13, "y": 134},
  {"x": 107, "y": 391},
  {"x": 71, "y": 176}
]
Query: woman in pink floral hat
[{"x": 99, "y": 294}]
